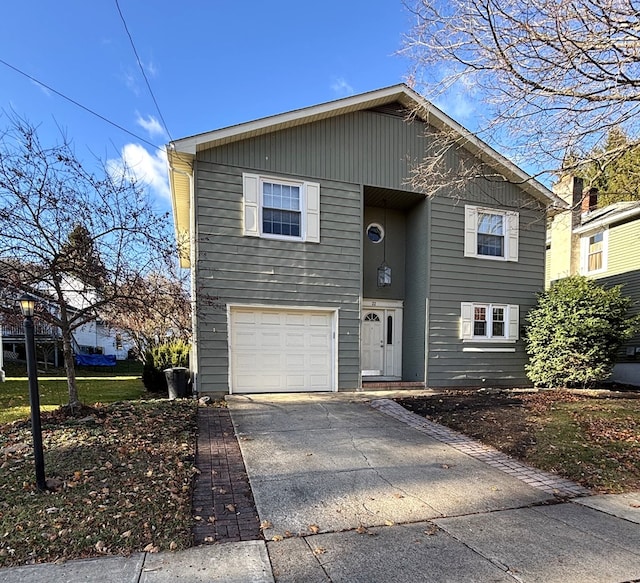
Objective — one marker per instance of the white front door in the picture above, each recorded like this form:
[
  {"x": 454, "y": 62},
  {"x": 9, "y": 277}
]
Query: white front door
[
  {"x": 381, "y": 338},
  {"x": 372, "y": 343}
]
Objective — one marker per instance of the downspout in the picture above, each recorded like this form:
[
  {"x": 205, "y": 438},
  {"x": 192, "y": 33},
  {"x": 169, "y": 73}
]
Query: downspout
[{"x": 193, "y": 254}]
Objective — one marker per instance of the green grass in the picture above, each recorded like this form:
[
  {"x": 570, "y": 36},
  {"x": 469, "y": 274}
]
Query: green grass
[
  {"x": 14, "y": 395},
  {"x": 122, "y": 368}
]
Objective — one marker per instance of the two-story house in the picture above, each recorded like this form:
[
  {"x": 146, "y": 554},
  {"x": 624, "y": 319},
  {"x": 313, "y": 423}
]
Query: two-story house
[
  {"x": 601, "y": 243},
  {"x": 317, "y": 267}
]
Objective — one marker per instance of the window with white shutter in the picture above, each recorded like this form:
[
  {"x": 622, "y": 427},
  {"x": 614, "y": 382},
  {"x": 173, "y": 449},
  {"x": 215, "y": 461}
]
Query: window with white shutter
[
  {"x": 491, "y": 233},
  {"x": 276, "y": 208},
  {"x": 489, "y": 322}
]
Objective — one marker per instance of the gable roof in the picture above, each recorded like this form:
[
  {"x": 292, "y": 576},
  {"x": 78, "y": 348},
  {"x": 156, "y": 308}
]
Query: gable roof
[{"x": 181, "y": 153}]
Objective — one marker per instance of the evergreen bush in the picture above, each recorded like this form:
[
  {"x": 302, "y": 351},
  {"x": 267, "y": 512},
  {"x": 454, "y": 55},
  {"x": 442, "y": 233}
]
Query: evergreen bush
[
  {"x": 575, "y": 331},
  {"x": 160, "y": 357}
]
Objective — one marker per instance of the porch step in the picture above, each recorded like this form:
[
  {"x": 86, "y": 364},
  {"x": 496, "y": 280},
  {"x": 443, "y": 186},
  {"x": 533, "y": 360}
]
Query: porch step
[{"x": 390, "y": 385}]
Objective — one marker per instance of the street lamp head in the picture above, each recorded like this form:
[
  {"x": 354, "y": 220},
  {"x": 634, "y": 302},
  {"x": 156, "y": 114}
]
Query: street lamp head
[{"x": 27, "y": 305}]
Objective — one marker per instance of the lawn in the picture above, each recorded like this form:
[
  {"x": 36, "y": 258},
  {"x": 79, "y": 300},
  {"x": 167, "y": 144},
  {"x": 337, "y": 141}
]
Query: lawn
[
  {"x": 14, "y": 394},
  {"x": 590, "y": 438},
  {"x": 123, "y": 368},
  {"x": 120, "y": 479}
]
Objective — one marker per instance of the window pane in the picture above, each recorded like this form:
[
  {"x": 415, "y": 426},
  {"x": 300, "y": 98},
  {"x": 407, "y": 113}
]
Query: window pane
[
  {"x": 498, "y": 322},
  {"x": 479, "y": 321},
  {"x": 596, "y": 247},
  {"x": 490, "y": 235},
  {"x": 491, "y": 245},
  {"x": 277, "y": 222},
  {"x": 490, "y": 224}
]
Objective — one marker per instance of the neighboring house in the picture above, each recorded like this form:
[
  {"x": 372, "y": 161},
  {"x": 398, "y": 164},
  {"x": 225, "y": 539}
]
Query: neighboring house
[
  {"x": 93, "y": 337},
  {"x": 316, "y": 267},
  {"x": 600, "y": 243}
]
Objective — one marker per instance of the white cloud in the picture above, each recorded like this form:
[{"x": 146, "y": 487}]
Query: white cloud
[
  {"x": 151, "y": 125},
  {"x": 151, "y": 68},
  {"x": 342, "y": 88},
  {"x": 138, "y": 164},
  {"x": 42, "y": 88}
]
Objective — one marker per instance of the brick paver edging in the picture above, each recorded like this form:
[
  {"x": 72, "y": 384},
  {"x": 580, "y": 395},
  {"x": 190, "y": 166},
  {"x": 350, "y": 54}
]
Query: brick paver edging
[
  {"x": 550, "y": 483},
  {"x": 222, "y": 500}
]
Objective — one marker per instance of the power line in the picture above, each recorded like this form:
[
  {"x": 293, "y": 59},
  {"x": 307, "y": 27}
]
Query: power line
[
  {"x": 48, "y": 87},
  {"x": 146, "y": 80}
]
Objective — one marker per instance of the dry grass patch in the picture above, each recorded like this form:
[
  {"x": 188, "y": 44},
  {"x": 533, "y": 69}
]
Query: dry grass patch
[
  {"x": 590, "y": 438},
  {"x": 121, "y": 481}
]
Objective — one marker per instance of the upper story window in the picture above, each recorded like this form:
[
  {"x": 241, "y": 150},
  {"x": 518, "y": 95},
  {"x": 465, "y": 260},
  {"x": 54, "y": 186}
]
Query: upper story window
[
  {"x": 491, "y": 233},
  {"x": 281, "y": 214},
  {"x": 489, "y": 322},
  {"x": 283, "y": 209},
  {"x": 593, "y": 252}
]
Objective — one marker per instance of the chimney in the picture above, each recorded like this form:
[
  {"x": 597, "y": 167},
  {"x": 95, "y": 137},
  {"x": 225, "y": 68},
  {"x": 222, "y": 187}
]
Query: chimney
[{"x": 589, "y": 200}]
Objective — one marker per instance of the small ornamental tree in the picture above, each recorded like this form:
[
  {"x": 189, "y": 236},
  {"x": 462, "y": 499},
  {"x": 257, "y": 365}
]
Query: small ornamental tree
[{"x": 575, "y": 331}]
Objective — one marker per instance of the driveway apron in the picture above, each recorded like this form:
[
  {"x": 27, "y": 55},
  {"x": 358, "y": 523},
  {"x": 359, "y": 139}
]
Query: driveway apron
[
  {"x": 348, "y": 494},
  {"x": 320, "y": 463}
]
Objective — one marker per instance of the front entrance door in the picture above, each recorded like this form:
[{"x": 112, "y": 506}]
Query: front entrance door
[
  {"x": 381, "y": 339},
  {"x": 372, "y": 343}
]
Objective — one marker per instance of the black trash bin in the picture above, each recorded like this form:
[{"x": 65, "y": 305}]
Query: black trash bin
[{"x": 176, "y": 381}]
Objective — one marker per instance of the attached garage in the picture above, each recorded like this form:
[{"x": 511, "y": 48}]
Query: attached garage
[{"x": 274, "y": 350}]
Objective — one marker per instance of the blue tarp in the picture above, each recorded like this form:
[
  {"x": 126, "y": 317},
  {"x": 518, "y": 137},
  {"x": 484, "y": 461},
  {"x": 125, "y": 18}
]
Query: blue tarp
[{"x": 96, "y": 359}]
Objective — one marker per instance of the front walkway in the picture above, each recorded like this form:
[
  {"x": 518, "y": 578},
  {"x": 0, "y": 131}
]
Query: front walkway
[{"x": 222, "y": 500}]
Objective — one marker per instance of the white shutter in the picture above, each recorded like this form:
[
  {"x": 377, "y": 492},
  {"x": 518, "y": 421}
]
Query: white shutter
[
  {"x": 466, "y": 320},
  {"x": 514, "y": 322},
  {"x": 470, "y": 231},
  {"x": 312, "y": 212},
  {"x": 250, "y": 205},
  {"x": 512, "y": 220}
]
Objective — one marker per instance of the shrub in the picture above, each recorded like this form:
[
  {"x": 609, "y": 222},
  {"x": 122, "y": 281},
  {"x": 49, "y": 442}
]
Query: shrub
[
  {"x": 160, "y": 357},
  {"x": 575, "y": 331}
]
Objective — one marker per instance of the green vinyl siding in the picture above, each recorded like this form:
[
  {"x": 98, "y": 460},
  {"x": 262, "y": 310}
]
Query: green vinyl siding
[
  {"x": 232, "y": 268},
  {"x": 430, "y": 273},
  {"x": 415, "y": 303},
  {"x": 630, "y": 282},
  {"x": 455, "y": 278},
  {"x": 361, "y": 148},
  {"x": 622, "y": 257}
]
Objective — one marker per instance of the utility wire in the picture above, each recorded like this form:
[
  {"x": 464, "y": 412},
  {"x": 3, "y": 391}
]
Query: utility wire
[
  {"x": 146, "y": 80},
  {"x": 114, "y": 124}
]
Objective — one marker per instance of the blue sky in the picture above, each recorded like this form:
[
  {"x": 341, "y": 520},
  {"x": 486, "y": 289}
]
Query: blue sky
[{"x": 210, "y": 65}]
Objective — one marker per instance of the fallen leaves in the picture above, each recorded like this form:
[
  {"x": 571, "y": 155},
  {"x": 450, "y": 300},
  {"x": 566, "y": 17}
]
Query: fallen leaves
[
  {"x": 588, "y": 437},
  {"x": 135, "y": 460}
]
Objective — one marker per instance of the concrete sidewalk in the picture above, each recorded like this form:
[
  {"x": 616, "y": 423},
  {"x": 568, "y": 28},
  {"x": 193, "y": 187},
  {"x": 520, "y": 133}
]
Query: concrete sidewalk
[
  {"x": 239, "y": 562},
  {"x": 352, "y": 491},
  {"x": 352, "y": 494}
]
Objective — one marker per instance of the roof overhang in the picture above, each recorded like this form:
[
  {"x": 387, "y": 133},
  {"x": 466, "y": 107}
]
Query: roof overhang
[
  {"x": 181, "y": 184},
  {"x": 623, "y": 215},
  {"x": 182, "y": 152}
]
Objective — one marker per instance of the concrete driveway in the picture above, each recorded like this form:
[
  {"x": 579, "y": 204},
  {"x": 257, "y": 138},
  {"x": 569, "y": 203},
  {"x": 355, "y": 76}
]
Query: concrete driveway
[{"x": 347, "y": 493}]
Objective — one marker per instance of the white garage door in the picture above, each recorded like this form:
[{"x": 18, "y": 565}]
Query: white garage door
[{"x": 280, "y": 350}]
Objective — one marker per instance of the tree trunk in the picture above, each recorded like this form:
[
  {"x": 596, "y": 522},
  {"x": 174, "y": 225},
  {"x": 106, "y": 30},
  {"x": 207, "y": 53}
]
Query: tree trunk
[{"x": 69, "y": 366}]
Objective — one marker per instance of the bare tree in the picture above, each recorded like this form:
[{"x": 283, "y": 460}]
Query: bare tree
[
  {"x": 157, "y": 309},
  {"x": 78, "y": 241},
  {"x": 555, "y": 77}
]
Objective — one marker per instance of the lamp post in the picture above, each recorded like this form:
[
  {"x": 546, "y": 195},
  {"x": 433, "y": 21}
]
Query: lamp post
[{"x": 27, "y": 305}]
